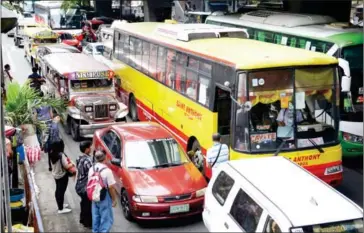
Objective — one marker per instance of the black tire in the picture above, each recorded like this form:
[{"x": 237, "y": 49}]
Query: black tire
[
  {"x": 133, "y": 111},
  {"x": 75, "y": 130},
  {"x": 125, "y": 205},
  {"x": 67, "y": 127},
  {"x": 196, "y": 145},
  {"x": 16, "y": 42}
]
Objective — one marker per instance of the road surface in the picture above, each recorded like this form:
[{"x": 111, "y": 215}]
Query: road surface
[{"x": 352, "y": 185}]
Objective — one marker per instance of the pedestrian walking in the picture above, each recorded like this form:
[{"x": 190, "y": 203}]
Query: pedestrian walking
[
  {"x": 60, "y": 166},
  {"x": 7, "y": 76},
  {"x": 84, "y": 163},
  {"x": 102, "y": 213},
  {"x": 218, "y": 153}
]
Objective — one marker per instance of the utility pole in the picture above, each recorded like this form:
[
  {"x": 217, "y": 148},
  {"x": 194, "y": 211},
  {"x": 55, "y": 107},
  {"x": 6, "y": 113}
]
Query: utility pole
[{"x": 121, "y": 9}]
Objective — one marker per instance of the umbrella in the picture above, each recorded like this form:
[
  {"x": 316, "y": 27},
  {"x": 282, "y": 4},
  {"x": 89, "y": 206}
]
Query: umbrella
[{"x": 8, "y": 20}]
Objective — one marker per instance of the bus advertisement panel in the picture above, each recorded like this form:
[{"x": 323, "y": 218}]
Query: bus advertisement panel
[
  {"x": 320, "y": 34},
  {"x": 198, "y": 85}
]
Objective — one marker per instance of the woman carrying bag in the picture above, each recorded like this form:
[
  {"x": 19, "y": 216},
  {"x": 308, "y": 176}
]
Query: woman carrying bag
[{"x": 61, "y": 169}]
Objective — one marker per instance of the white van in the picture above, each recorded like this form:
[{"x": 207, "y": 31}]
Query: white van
[{"x": 274, "y": 194}]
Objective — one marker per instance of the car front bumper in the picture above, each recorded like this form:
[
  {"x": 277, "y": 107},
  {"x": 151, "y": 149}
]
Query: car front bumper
[{"x": 87, "y": 131}]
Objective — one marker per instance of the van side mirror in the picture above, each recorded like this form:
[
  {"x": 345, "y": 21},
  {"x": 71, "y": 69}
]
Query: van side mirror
[
  {"x": 345, "y": 83},
  {"x": 116, "y": 162}
]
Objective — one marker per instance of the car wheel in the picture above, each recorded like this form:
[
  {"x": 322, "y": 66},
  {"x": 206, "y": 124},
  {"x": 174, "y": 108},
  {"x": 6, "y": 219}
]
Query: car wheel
[
  {"x": 125, "y": 205},
  {"x": 75, "y": 130},
  {"x": 133, "y": 109},
  {"x": 67, "y": 127},
  {"x": 16, "y": 42}
]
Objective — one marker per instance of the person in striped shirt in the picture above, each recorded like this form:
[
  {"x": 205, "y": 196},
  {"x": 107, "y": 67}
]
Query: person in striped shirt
[{"x": 218, "y": 153}]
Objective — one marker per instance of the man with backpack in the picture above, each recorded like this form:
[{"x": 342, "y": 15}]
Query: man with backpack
[
  {"x": 101, "y": 191},
  {"x": 84, "y": 163}
]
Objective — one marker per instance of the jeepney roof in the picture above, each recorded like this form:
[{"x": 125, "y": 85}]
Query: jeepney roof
[
  {"x": 74, "y": 62},
  {"x": 295, "y": 192},
  {"x": 249, "y": 54},
  {"x": 59, "y": 48},
  {"x": 46, "y": 32}
]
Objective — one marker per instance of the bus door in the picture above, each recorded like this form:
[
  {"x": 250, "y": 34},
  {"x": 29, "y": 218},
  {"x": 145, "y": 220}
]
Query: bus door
[{"x": 222, "y": 106}]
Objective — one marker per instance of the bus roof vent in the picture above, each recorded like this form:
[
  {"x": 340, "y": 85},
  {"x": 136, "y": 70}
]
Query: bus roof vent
[
  {"x": 286, "y": 19},
  {"x": 188, "y": 32}
]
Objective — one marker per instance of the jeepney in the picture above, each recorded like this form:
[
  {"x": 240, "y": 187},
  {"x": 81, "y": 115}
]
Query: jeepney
[
  {"x": 87, "y": 85},
  {"x": 33, "y": 37},
  {"x": 19, "y": 30}
]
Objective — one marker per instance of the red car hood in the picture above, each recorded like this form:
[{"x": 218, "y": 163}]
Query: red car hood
[
  {"x": 167, "y": 181},
  {"x": 73, "y": 42}
]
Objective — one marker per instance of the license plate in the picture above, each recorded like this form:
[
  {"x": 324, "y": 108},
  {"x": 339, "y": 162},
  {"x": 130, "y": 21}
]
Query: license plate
[{"x": 179, "y": 209}]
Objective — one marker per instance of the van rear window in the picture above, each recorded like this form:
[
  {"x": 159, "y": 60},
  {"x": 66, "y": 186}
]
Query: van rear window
[
  {"x": 352, "y": 226},
  {"x": 222, "y": 186}
]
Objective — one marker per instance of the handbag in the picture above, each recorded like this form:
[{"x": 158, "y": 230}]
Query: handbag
[{"x": 72, "y": 170}]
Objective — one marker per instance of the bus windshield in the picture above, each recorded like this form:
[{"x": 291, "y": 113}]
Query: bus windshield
[
  {"x": 353, "y": 226},
  {"x": 291, "y": 109},
  {"x": 71, "y": 19},
  {"x": 354, "y": 55}
]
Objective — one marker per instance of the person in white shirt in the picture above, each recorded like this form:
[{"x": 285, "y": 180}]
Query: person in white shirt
[
  {"x": 285, "y": 116},
  {"x": 191, "y": 92},
  {"x": 218, "y": 152}
]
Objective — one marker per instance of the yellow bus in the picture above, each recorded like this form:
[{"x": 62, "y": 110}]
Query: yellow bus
[
  {"x": 33, "y": 37},
  {"x": 196, "y": 81}
]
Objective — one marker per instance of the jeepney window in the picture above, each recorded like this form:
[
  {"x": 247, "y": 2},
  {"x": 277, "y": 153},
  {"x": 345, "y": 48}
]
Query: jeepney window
[
  {"x": 145, "y": 57},
  {"x": 153, "y": 60},
  {"x": 181, "y": 73},
  {"x": 204, "y": 90},
  {"x": 91, "y": 83},
  {"x": 191, "y": 90},
  {"x": 138, "y": 53},
  {"x": 161, "y": 66},
  {"x": 171, "y": 68}
]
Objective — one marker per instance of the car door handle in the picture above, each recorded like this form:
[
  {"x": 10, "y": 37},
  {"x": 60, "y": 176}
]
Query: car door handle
[{"x": 226, "y": 225}]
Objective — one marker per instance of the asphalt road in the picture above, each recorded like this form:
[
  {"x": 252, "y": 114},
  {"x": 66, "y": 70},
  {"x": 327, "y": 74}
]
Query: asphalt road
[{"x": 352, "y": 185}]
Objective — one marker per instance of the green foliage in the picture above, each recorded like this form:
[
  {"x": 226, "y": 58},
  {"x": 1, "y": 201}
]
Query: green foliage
[
  {"x": 22, "y": 101},
  {"x": 69, "y": 4}
]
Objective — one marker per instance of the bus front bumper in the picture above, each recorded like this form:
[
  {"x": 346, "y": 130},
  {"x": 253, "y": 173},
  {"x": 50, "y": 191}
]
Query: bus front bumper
[{"x": 330, "y": 173}]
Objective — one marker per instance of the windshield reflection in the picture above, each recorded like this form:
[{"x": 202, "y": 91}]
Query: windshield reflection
[
  {"x": 154, "y": 154},
  {"x": 295, "y": 106}
]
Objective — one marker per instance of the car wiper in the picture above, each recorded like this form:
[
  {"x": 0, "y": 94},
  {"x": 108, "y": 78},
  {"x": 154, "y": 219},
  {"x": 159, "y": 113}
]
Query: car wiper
[
  {"x": 167, "y": 165},
  {"x": 135, "y": 167},
  {"x": 280, "y": 148},
  {"x": 319, "y": 148}
]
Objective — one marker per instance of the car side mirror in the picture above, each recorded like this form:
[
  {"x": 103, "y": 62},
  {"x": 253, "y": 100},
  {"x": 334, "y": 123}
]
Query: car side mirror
[{"x": 116, "y": 162}]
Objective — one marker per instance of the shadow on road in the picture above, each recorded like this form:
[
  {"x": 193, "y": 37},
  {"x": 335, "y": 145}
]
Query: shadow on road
[
  {"x": 355, "y": 164},
  {"x": 182, "y": 222}
]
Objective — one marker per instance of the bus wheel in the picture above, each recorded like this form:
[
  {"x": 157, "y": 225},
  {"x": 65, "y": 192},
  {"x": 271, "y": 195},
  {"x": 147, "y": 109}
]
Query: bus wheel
[
  {"x": 75, "y": 130},
  {"x": 133, "y": 111},
  {"x": 198, "y": 158}
]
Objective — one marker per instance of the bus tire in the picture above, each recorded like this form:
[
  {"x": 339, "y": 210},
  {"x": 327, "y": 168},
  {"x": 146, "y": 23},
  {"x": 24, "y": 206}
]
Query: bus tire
[
  {"x": 75, "y": 130},
  {"x": 133, "y": 110},
  {"x": 196, "y": 146}
]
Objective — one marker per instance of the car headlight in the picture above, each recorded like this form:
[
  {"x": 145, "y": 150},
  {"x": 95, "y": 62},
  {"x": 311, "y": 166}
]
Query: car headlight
[
  {"x": 145, "y": 199},
  {"x": 333, "y": 170},
  {"x": 112, "y": 107},
  {"x": 201, "y": 192},
  {"x": 352, "y": 138},
  {"x": 89, "y": 109}
]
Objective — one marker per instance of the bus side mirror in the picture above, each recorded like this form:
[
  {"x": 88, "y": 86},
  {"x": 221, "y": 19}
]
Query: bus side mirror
[{"x": 345, "y": 83}]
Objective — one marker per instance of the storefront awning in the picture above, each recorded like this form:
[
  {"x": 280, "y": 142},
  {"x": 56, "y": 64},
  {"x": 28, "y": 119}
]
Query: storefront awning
[{"x": 8, "y": 20}]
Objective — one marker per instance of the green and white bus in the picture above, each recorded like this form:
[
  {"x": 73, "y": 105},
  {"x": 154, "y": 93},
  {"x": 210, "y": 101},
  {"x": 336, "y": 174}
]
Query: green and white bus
[{"x": 321, "y": 34}]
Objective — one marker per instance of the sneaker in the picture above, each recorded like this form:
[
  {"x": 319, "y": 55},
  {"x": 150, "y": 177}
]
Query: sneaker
[
  {"x": 64, "y": 211},
  {"x": 65, "y": 205}
]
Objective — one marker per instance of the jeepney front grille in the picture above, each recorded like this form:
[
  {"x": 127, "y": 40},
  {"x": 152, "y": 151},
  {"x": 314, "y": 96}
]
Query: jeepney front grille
[{"x": 101, "y": 111}]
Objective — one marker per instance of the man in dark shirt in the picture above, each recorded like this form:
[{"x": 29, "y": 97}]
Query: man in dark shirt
[{"x": 35, "y": 79}]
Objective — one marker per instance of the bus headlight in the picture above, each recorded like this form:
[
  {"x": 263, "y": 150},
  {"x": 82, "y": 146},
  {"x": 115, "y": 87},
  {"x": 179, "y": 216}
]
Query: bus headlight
[
  {"x": 352, "y": 138},
  {"x": 333, "y": 170}
]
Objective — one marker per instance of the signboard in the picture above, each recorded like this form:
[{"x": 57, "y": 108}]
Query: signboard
[
  {"x": 107, "y": 74},
  {"x": 46, "y": 34},
  {"x": 259, "y": 138}
]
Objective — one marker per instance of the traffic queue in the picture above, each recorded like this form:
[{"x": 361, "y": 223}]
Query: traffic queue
[{"x": 185, "y": 89}]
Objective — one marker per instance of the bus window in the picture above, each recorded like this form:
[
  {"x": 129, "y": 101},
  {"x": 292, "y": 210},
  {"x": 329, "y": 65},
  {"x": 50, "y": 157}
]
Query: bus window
[
  {"x": 171, "y": 68},
  {"x": 161, "y": 65},
  {"x": 181, "y": 72},
  {"x": 132, "y": 49},
  {"x": 153, "y": 60},
  {"x": 191, "y": 90},
  {"x": 120, "y": 52},
  {"x": 117, "y": 45},
  {"x": 126, "y": 49},
  {"x": 277, "y": 38},
  {"x": 302, "y": 43},
  {"x": 203, "y": 93},
  {"x": 138, "y": 53},
  {"x": 205, "y": 68},
  {"x": 292, "y": 42},
  {"x": 145, "y": 57},
  {"x": 192, "y": 63}
]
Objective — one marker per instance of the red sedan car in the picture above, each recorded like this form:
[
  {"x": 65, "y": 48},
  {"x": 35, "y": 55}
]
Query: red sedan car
[
  {"x": 155, "y": 178},
  {"x": 68, "y": 39}
]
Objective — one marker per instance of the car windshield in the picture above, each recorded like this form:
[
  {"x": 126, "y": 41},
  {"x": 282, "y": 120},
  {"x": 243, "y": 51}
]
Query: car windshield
[
  {"x": 152, "y": 154},
  {"x": 354, "y": 112},
  {"x": 45, "y": 41},
  {"x": 291, "y": 109},
  {"x": 67, "y": 36},
  {"x": 352, "y": 226},
  {"x": 91, "y": 84},
  {"x": 60, "y": 19},
  {"x": 99, "y": 49},
  {"x": 27, "y": 15}
]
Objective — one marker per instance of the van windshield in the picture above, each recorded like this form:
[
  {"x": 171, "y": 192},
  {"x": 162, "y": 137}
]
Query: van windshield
[{"x": 352, "y": 226}]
